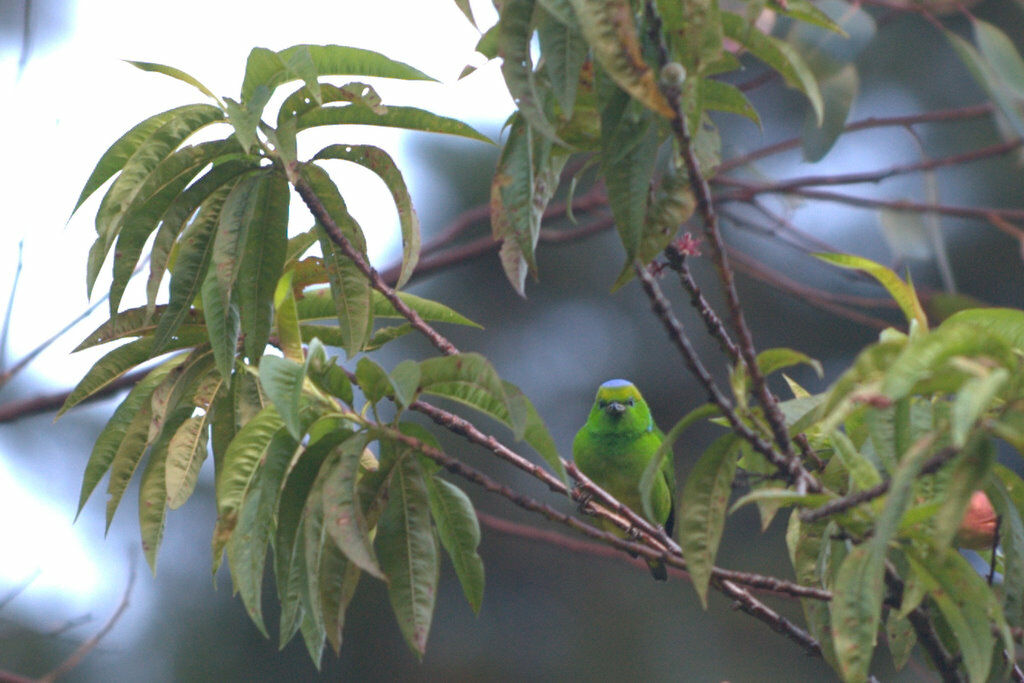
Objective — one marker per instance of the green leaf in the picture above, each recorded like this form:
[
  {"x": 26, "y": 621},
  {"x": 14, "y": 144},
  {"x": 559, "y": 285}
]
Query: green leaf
[
  {"x": 247, "y": 547},
  {"x": 778, "y": 55},
  {"x": 702, "y": 510},
  {"x": 282, "y": 379},
  {"x": 966, "y": 604},
  {"x": 338, "y": 581},
  {"x": 781, "y": 497},
  {"x": 114, "y": 433},
  {"x": 163, "y": 186},
  {"x": 134, "y": 322},
  {"x": 806, "y": 11},
  {"x": 126, "y": 460},
  {"x": 629, "y": 145},
  {"x": 772, "y": 360},
  {"x": 241, "y": 461},
  {"x": 372, "y": 379},
  {"x": 186, "y": 452},
  {"x": 121, "y": 360},
  {"x": 969, "y": 472},
  {"x": 653, "y": 468},
  {"x": 173, "y": 73},
  {"x": 1000, "y": 54},
  {"x": 526, "y": 177},
  {"x": 1000, "y": 79},
  {"x": 1008, "y": 323},
  {"x": 289, "y": 561},
  {"x": 153, "y": 492},
  {"x": 405, "y": 379},
  {"x": 349, "y": 287},
  {"x": 191, "y": 267},
  {"x": 515, "y": 34},
  {"x": 459, "y": 531},
  {"x": 1006, "y": 492},
  {"x": 343, "y": 514},
  {"x": 326, "y": 374},
  {"x": 900, "y": 291},
  {"x": 271, "y": 69},
  {"x": 316, "y": 304},
  {"x": 857, "y": 610},
  {"x": 726, "y": 97},
  {"x": 409, "y": 118},
  {"x": 838, "y": 90},
  {"x": 222, "y": 325},
  {"x": 564, "y": 50},
  {"x": 901, "y": 638},
  {"x": 863, "y": 474},
  {"x": 408, "y": 553},
  {"x": 262, "y": 261},
  {"x": 378, "y": 161},
  {"x": 535, "y": 432},
  {"x": 118, "y": 154},
  {"x": 177, "y": 216},
  {"x": 611, "y": 32},
  {"x": 135, "y": 173},
  {"x": 179, "y": 387},
  {"x": 470, "y": 379},
  {"x": 289, "y": 336},
  {"x": 973, "y": 399}
]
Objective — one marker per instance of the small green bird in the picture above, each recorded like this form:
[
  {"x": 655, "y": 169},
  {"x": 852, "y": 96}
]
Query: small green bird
[{"x": 614, "y": 447}]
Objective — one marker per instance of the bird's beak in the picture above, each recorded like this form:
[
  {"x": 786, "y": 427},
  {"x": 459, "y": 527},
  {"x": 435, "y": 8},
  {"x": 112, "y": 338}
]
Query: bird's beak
[{"x": 615, "y": 409}]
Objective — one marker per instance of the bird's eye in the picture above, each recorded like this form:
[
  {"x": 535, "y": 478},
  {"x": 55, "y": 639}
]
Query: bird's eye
[{"x": 629, "y": 401}]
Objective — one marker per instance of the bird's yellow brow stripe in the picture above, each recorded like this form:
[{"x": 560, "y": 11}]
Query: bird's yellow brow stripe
[{"x": 618, "y": 393}]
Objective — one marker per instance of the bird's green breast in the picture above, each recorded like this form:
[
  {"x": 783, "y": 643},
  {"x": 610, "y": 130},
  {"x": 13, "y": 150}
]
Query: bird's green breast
[{"x": 616, "y": 462}]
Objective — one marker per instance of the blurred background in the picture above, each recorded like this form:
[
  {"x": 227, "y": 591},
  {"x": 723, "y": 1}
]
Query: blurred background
[{"x": 548, "y": 613}]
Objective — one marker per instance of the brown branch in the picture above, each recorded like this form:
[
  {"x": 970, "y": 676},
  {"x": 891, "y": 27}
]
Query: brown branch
[
  {"x": 778, "y": 623},
  {"x": 321, "y": 214},
  {"x": 789, "y": 465},
  {"x": 927, "y": 636},
  {"x": 85, "y": 648},
  {"x": 15, "y": 410},
  {"x": 677, "y": 262},
  {"x": 802, "y": 480},
  {"x": 854, "y": 499},
  {"x": 938, "y": 116}
]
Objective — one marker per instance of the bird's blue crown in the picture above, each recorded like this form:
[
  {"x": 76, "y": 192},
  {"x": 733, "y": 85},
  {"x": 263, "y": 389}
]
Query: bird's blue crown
[{"x": 616, "y": 384}]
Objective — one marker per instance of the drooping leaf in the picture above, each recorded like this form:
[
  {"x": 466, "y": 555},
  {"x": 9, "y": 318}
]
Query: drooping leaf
[
  {"x": 186, "y": 453},
  {"x": 1006, "y": 493},
  {"x": 612, "y": 34},
  {"x": 222, "y": 325},
  {"x": 408, "y": 553},
  {"x": 243, "y": 457},
  {"x": 109, "y": 440},
  {"x": 153, "y": 492},
  {"x": 342, "y": 511},
  {"x": 564, "y": 50},
  {"x": 702, "y": 509},
  {"x": 405, "y": 379},
  {"x": 857, "y": 610},
  {"x": 470, "y": 379},
  {"x": 900, "y": 291},
  {"x": 721, "y": 96},
  {"x": 378, "y": 161},
  {"x": 338, "y": 580},
  {"x": 119, "y": 361},
  {"x": 1008, "y": 323},
  {"x": 838, "y": 91},
  {"x": 665, "y": 450},
  {"x": 992, "y": 78},
  {"x": 247, "y": 547},
  {"x": 282, "y": 379},
  {"x": 316, "y": 304},
  {"x": 191, "y": 267},
  {"x": 372, "y": 379},
  {"x": 459, "y": 531},
  {"x": 349, "y": 287}
]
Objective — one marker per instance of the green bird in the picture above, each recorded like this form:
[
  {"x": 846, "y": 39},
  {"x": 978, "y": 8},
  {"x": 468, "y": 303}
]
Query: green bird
[{"x": 614, "y": 447}]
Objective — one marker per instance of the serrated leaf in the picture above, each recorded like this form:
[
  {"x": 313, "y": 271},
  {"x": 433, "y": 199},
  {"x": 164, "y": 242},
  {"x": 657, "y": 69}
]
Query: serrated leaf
[
  {"x": 247, "y": 547},
  {"x": 611, "y": 32},
  {"x": 119, "y": 361},
  {"x": 343, "y": 515},
  {"x": 900, "y": 291},
  {"x": 109, "y": 440},
  {"x": 378, "y": 161},
  {"x": 459, "y": 531},
  {"x": 408, "y": 553},
  {"x": 241, "y": 460},
  {"x": 702, "y": 510},
  {"x": 191, "y": 267},
  {"x": 409, "y": 118}
]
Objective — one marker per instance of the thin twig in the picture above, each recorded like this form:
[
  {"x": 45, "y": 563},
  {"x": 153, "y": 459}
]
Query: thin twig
[
  {"x": 778, "y": 623},
  {"x": 15, "y": 410},
  {"x": 5, "y": 330},
  {"x": 85, "y": 648},
  {"x": 854, "y": 499}
]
